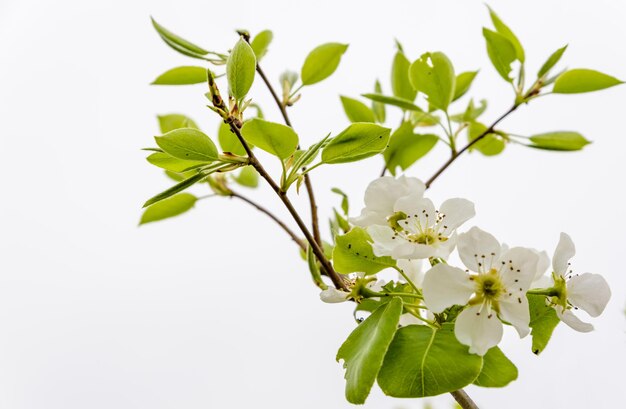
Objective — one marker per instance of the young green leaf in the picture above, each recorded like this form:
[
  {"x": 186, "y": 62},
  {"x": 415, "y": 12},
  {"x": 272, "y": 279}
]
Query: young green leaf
[
  {"x": 583, "y": 80},
  {"x": 322, "y": 62},
  {"x": 400, "y": 83},
  {"x": 489, "y": 145},
  {"x": 543, "y": 320},
  {"x": 378, "y": 107},
  {"x": 240, "y": 69},
  {"x": 248, "y": 177},
  {"x": 178, "y": 43},
  {"x": 463, "y": 83},
  {"x": 277, "y": 139},
  {"x": 179, "y": 187},
  {"x": 364, "y": 350},
  {"x": 170, "y": 122},
  {"x": 358, "y": 141},
  {"x": 498, "y": 371},
  {"x": 356, "y": 111},
  {"x": 472, "y": 112},
  {"x": 424, "y": 119},
  {"x": 353, "y": 253},
  {"x": 501, "y": 52},
  {"x": 182, "y": 76},
  {"x": 345, "y": 207},
  {"x": 260, "y": 43},
  {"x": 559, "y": 141},
  {"x": 551, "y": 62},
  {"x": 423, "y": 361},
  {"x": 506, "y": 32},
  {"x": 168, "y": 162},
  {"x": 189, "y": 144},
  {"x": 170, "y": 207},
  {"x": 405, "y": 104},
  {"x": 406, "y": 147},
  {"x": 433, "y": 75},
  {"x": 229, "y": 141}
]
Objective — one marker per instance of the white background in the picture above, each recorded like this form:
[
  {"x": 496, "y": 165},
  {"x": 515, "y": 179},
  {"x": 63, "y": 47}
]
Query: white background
[{"x": 215, "y": 309}]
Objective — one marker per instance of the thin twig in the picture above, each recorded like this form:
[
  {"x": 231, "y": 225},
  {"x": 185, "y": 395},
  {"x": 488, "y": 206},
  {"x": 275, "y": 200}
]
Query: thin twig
[{"x": 463, "y": 399}]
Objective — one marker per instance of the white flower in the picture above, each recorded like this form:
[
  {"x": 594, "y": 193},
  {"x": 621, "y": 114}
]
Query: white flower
[
  {"x": 587, "y": 291},
  {"x": 415, "y": 230},
  {"x": 381, "y": 196},
  {"x": 332, "y": 295},
  {"x": 495, "y": 292},
  {"x": 413, "y": 270}
]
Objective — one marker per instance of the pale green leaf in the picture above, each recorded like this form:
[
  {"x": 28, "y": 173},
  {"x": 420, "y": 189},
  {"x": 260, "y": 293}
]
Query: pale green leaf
[
  {"x": 551, "y": 62},
  {"x": 489, "y": 145},
  {"x": 543, "y": 320},
  {"x": 277, "y": 139},
  {"x": 358, "y": 141},
  {"x": 506, "y": 32},
  {"x": 240, "y": 69},
  {"x": 583, "y": 80},
  {"x": 260, "y": 43},
  {"x": 189, "y": 144},
  {"x": 182, "y": 76},
  {"x": 395, "y": 101},
  {"x": 353, "y": 253},
  {"x": 559, "y": 141},
  {"x": 179, "y": 187},
  {"x": 356, "y": 111},
  {"x": 497, "y": 371},
  {"x": 463, "y": 82},
  {"x": 501, "y": 52},
  {"x": 400, "y": 83},
  {"x": 178, "y": 43},
  {"x": 322, "y": 62},
  {"x": 406, "y": 147},
  {"x": 248, "y": 177},
  {"x": 168, "y": 162},
  {"x": 378, "y": 107},
  {"x": 170, "y": 122},
  {"x": 364, "y": 350},
  {"x": 433, "y": 75},
  {"x": 345, "y": 206},
  {"x": 170, "y": 207},
  {"x": 229, "y": 141}
]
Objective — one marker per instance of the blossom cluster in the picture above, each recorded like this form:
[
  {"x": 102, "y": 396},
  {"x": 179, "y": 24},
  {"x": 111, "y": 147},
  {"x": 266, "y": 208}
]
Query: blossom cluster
[{"x": 492, "y": 286}]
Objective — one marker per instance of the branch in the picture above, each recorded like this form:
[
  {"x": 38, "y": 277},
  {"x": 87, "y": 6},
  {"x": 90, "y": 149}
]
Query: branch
[
  {"x": 262, "y": 209},
  {"x": 463, "y": 399},
  {"x": 469, "y": 145}
]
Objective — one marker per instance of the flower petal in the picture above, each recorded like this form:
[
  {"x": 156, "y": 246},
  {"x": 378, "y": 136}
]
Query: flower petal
[
  {"x": 413, "y": 270},
  {"x": 517, "y": 268},
  {"x": 542, "y": 264},
  {"x": 413, "y": 251},
  {"x": 384, "y": 239},
  {"x": 565, "y": 250},
  {"x": 573, "y": 321},
  {"x": 332, "y": 295},
  {"x": 590, "y": 292},
  {"x": 455, "y": 212},
  {"x": 479, "y": 330},
  {"x": 477, "y": 243},
  {"x": 416, "y": 207},
  {"x": 445, "y": 286},
  {"x": 515, "y": 311}
]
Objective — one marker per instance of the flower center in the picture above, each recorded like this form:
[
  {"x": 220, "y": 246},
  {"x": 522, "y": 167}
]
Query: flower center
[
  {"x": 489, "y": 285},
  {"x": 411, "y": 229},
  {"x": 560, "y": 290}
]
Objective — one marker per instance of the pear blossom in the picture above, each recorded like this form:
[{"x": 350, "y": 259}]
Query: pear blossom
[
  {"x": 413, "y": 270},
  {"x": 493, "y": 287},
  {"x": 381, "y": 196},
  {"x": 416, "y": 230},
  {"x": 332, "y": 295},
  {"x": 589, "y": 292}
]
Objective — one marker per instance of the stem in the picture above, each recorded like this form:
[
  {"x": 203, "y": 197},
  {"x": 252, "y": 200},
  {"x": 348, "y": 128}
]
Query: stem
[
  {"x": 463, "y": 399},
  {"x": 262, "y": 209},
  {"x": 307, "y": 179},
  {"x": 469, "y": 145},
  {"x": 408, "y": 280}
]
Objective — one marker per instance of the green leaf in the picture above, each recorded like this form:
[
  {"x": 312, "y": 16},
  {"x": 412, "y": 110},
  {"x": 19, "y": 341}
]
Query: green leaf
[
  {"x": 178, "y": 43},
  {"x": 551, "y": 62},
  {"x": 498, "y": 371},
  {"x": 501, "y": 53},
  {"x": 364, "y": 350},
  {"x": 472, "y": 112},
  {"x": 423, "y": 361},
  {"x": 277, "y": 139},
  {"x": 395, "y": 101},
  {"x": 345, "y": 206},
  {"x": 583, "y": 80},
  {"x": 167, "y": 162},
  {"x": 179, "y": 187},
  {"x": 189, "y": 144},
  {"x": 248, "y": 177},
  {"x": 463, "y": 82},
  {"x": 229, "y": 141},
  {"x": 506, "y": 32},
  {"x": 260, "y": 43},
  {"x": 433, "y": 75},
  {"x": 356, "y": 110},
  {"x": 424, "y": 119},
  {"x": 322, "y": 62},
  {"x": 559, "y": 141},
  {"x": 378, "y": 107},
  {"x": 353, "y": 253},
  {"x": 182, "y": 76},
  {"x": 170, "y": 122},
  {"x": 489, "y": 145},
  {"x": 406, "y": 147},
  {"x": 543, "y": 320},
  {"x": 358, "y": 141},
  {"x": 400, "y": 83},
  {"x": 240, "y": 69},
  {"x": 170, "y": 207}
]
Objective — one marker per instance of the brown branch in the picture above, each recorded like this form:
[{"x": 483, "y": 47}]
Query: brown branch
[
  {"x": 455, "y": 155},
  {"x": 463, "y": 399}
]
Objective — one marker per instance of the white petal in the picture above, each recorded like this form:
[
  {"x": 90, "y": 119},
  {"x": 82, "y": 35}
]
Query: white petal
[
  {"x": 565, "y": 250},
  {"x": 416, "y": 207},
  {"x": 384, "y": 241},
  {"x": 477, "y": 243},
  {"x": 413, "y": 251},
  {"x": 332, "y": 295},
  {"x": 413, "y": 270},
  {"x": 590, "y": 292},
  {"x": 515, "y": 311},
  {"x": 479, "y": 330},
  {"x": 369, "y": 218},
  {"x": 445, "y": 286},
  {"x": 573, "y": 321},
  {"x": 455, "y": 212},
  {"x": 517, "y": 269},
  {"x": 542, "y": 282},
  {"x": 542, "y": 264}
]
